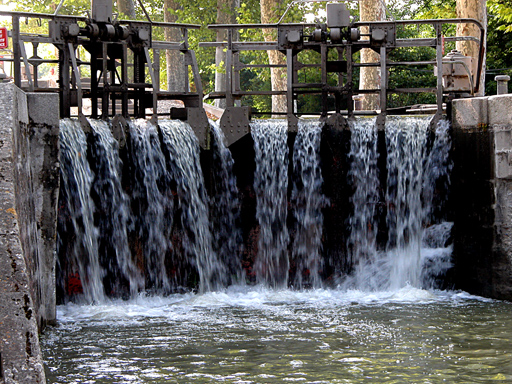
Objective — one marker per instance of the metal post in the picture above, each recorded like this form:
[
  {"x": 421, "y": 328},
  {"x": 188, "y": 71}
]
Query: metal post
[
  {"x": 229, "y": 73},
  {"x": 348, "y": 55},
  {"x": 323, "y": 54},
  {"x": 76, "y": 73},
  {"x": 383, "y": 80},
  {"x": 289, "y": 80},
  {"x": 16, "y": 50},
  {"x": 27, "y": 66},
  {"x": 106, "y": 90},
  {"x": 94, "y": 82},
  {"x": 64, "y": 83},
  {"x": 124, "y": 82},
  {"x": 439, "y": 59}
]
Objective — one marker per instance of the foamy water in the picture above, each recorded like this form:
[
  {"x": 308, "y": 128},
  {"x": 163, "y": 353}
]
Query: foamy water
[
  {"x": 261, "y": 335},
  {"x": 258, "y": 297}
]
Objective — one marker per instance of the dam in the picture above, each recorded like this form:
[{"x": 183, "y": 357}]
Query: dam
[{"x": 343, "y": 246}]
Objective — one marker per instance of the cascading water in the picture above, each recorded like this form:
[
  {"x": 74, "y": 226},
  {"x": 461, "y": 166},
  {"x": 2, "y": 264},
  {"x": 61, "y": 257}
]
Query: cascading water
[
  {"x": 225, "y": 208},
  {"x": 363, "y": 174},
  {"x": 159, "y": 222},
  {"x": 152, "y": 203},
  {"x": 412, "y": 175},
  {"x": 307, "y": 202},
  {"x": 270, "y": 185},
  {"x": 112, "y": 213},
  {"x": 78, "y": 237},
  {"x": 183, "y": 155},
  {"x": 406, "y": 141}
]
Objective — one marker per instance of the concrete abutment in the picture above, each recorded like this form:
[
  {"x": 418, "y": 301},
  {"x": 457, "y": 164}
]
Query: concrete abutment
[{"x": 29, "y": 181}]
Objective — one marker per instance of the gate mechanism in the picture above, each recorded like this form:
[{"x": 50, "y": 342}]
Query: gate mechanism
[
  {"x": 122, "y": 76},
  {"x": 344, "y": 38}
]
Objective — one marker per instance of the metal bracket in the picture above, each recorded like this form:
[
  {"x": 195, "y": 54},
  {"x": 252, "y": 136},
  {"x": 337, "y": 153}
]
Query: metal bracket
[
  {"x": 84, "y": 123},
  {"x": 119, "y": 127},
  {"x": 235, "y": 123},
  {"x": 337, "y": 121}
]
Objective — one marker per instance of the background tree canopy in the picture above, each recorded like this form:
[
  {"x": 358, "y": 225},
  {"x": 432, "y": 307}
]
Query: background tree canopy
[{"x": 204, "y": 12}]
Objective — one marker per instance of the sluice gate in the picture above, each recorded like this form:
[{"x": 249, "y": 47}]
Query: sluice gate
[{"x": 125, "y": 60}]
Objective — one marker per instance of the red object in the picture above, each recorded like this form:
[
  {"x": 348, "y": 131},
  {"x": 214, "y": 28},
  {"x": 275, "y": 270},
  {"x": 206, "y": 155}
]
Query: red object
[{"x": 4, "y": 41}]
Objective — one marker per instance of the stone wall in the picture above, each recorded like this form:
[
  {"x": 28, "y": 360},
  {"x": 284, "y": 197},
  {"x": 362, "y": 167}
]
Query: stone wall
[
  {"x": 482, "y": 195},
  {"x": 29, "y": 177}
]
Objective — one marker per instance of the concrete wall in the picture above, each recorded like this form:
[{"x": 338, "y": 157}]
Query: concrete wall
[
  {"x": 29, "y": 178},
  {"x": 482, "y": 195}
]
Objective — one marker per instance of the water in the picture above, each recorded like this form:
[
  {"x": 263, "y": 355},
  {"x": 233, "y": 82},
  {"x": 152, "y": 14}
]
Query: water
[
  {"x": 152, "y": 203},
  {"x": 112, "y": 213},
  {"x": 307, "y": 203},
  {"x": 362, "y": 242},
  {"x": 270, "y": 185},
  {"x": 379, "y": 325},
  {"x": 183, "y": 155},
  {"x": 261, "y": 335},
  {"x": 225, "y": 208},
  {"x": 415, "y": 175},
  {"x": 76, "y": 215}
]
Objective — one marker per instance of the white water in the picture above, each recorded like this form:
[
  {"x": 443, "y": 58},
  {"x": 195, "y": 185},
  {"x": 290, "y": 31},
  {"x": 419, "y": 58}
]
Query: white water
[
  {"x": 262, "y": 335},
  {"x": 225, "y": 208},
  {"x": 76, "y": 175},
  {"x": 363, "y": 176},
  {"x": 152, "y": 203},
  {"x": 185, "y": 170},
  {"x": 270, "y": 185},
  {"x": 113, "y": 210},
  {"x": 412, "y": 174},
  {"x": 307, "y": 203}
]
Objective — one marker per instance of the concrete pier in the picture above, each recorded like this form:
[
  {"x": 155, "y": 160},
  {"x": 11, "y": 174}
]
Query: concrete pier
[
  {"x": 29, "y": 177},
  {"x": 482, "y": 195}
]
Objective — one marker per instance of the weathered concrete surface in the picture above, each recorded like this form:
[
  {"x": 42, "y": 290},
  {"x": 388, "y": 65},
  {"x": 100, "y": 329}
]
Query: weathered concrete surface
[
  {"x": 482, "y": 195},
  {"x": 21, "y": 360},
  {"x": 37, "y": 175}
]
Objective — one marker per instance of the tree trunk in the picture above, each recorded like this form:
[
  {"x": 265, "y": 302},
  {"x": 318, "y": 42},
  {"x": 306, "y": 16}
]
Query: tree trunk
[
  {"x": 269, "y": 14},
  {"x": 225, "y": 15},
  {"x": 176, "y": 71},
  {"x": 474, "y": 9},
  {"x": 127, "y": 7},
  {"x": 369, "y": 77}
]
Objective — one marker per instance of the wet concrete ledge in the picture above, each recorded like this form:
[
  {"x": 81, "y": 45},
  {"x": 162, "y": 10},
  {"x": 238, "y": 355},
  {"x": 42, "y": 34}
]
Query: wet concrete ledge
[
  {"x": 28, "y": 192},
  {"x": 482, "y": 195}
]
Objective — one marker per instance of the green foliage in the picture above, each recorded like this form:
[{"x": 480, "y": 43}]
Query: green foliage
[{"x": 204, "y": 12}]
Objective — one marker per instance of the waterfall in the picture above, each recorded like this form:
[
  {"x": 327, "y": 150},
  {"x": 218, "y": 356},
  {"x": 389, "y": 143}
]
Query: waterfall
[
  {"x": 406, "y": 141},
  {"x": 413, "y": 176},
  {"x": 270, "y": 185},
  {"x": 112, "y": 212},
  {"x": 307, "y": 202},
  {"x": 78, "y": 237},
  {"x": 143, "y": 218},
  {"x": 363, "y": 176},
  {"x": 225, "y": 208},
  {"x": 152, "y": 203},
  {"x": 185, "y": 170}
]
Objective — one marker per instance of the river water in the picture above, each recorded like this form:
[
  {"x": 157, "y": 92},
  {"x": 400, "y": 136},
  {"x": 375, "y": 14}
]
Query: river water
[{"x": 262, "y": 335}]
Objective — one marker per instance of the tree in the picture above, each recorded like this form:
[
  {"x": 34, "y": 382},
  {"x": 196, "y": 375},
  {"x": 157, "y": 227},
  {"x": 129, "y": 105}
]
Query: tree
[
  {"x": 126, "y": 7},
  {"x": 176, "y": 73},
  {"x": 369, "y": 78},
  {"x": 270, "y": 14},
  {"x": 474, "y": 9},
  {"x": 225, "y": 15}
]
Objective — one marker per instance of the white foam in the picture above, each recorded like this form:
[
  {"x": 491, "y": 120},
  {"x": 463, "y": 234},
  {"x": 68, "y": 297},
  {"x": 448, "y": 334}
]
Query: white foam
[{"x": 183, "y": 307}]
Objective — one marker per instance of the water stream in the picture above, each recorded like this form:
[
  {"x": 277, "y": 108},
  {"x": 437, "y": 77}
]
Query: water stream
[
  {"x": 383, "y": 322},
  {"x": 260, "y": 335}
]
